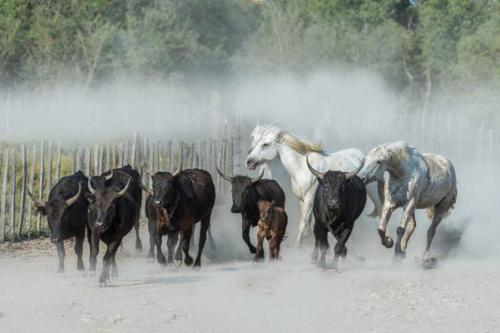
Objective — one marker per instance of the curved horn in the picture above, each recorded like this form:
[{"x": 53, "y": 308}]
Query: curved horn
[
  {"x": 355, "y": 172},
  {"x": 38, "y": 202},
  {"x": 260, "y": 176},
  {"x": 229, "y": 179},
  {"x": 73, "y": 199},
  {"x": 91, "y": 189},
  {"x": 179, "y": 169},
  {"x": 146, "y": 189},
  {"x": 149, "y": 172},
  {"x": 108, "y": 177},
  {"x": 318, "y": 174},
  {"x": 122, "y": 192}
]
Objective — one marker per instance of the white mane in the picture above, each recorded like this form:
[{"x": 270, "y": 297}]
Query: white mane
[{"x": 301, "y": 146}]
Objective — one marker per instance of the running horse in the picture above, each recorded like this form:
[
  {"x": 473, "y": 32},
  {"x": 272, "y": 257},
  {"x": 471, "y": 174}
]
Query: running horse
[
  {"x": 416, "y": 181},
  {"x": 270, "y": 142}
]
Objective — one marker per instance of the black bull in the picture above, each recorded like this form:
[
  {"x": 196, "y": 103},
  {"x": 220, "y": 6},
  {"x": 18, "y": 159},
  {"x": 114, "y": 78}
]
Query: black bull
[
  {"x": 246, "y": 193},
  {"x": 66, "y": 211},
  {"x": 340, "y": 199},
  {"x": 115, "y": 203},
  {"x": 176, "y": 202}
]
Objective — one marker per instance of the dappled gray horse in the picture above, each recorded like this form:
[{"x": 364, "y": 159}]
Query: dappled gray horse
[{"x": 415, "y": 181}]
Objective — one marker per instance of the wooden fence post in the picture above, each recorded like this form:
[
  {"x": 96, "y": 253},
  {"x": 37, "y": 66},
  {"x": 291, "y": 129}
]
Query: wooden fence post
[
  {"x": 30, "y": 186},
  {"x": 86, "y": 154},
  {"x": 41, "y": 182},
  {"x": 4, "y": 194},
  {"x": 58, "y": 166},
  {"x": 134, "y": 151},
  {"x": 13, "y": 182},
  {"x": 96, "y": 160},
  {"x": 49, "y": 168},
  {"x": 23, "y": 190}
]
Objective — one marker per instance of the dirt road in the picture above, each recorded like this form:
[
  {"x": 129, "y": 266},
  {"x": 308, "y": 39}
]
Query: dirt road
[{"x": 461, "y": 295}]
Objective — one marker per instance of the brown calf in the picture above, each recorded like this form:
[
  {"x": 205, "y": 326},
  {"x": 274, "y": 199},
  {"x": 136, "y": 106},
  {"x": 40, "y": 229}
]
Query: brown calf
[{"x": 272, "y": 226}]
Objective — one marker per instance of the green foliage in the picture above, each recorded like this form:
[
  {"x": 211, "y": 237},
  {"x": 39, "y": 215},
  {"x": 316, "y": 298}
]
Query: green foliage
[{"x": 435, "y": 43}]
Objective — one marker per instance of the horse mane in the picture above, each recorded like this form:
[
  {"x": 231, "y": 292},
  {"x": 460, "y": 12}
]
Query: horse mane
[
  {"x": 398, "y": 153},
  {"x": 301, "y": 146}
]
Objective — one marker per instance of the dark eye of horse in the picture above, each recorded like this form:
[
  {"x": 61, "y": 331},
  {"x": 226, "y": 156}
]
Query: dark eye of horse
[
  {"x": 265, "y": 145},
  {"x": 379, "y": 162}
]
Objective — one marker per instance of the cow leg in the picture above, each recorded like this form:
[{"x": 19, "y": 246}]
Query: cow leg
[
  {"x": 138, "y": 242},
  {"x": 94, "y": 250},
  {"x": 340, "y": 249},
  {"x": 152, "y": 238},
  {"x": 321, "y": 234},
  {"x": 382, "y": 227},
  {"x": 159, "y": 254},
  {"x": 246, "y": 236},
  {"x": 188, "y": 260},
  {"x": 114, "y": 269},
  {"x": 178, "y": 248},
  {"x": 273, "y": 247},
  {"x": 79, "y": 251},
  {"x": 205, "y": 224},
  {"x": 259, "y": 253},
  {"x": 172, "y": 240},
  {"x": 60, "y": 254},
  {"x": 107, "y": 261},
  {"x": 315, "y": 252}
]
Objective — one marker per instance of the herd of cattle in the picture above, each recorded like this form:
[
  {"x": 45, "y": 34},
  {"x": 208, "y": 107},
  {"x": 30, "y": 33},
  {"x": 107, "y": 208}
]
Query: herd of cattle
[{"x": 108, "y": 206}]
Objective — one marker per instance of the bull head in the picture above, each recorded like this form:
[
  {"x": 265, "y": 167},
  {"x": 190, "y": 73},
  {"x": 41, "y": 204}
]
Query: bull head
[{"x": 55, "y": 209}]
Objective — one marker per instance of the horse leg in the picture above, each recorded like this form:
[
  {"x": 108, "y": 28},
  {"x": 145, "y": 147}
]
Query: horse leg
[
  {"x": 410, "y": 228},
  {"x": 431, "y": 232},
  {"x": 375, "y": 193},
  {"x": 305, "y": 217},
  {"x": 178, "y": 248},
  {"x": 408, "y": 212},
  {"x": 382, "y": 227},
  {"x": 188, "y": 260},
  {"x": 79, "y": 251},
  {"x": 340, "y": 249}
]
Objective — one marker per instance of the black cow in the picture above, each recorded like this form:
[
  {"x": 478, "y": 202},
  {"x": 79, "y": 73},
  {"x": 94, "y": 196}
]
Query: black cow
[
  {"x": 66, "y": 212},
  {"x": 340, "y": 198},
  {"x": 176, "y": 202},
  {"x": 115, "y": 204},
  {"x": 246, "y": 193}
]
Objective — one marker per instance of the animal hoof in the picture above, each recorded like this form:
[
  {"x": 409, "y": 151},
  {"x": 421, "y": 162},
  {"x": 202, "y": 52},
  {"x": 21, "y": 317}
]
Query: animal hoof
[
  {"x": 188, "y": 261},
  {"x": 253, "y": 250},
  {"x": 429, "y": 263},
  {"x": 197, "y": 263}
]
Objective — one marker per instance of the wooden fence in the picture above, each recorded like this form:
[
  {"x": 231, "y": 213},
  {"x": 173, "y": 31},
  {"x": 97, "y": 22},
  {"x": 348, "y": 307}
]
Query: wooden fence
[{"x": 38, "y": 166}]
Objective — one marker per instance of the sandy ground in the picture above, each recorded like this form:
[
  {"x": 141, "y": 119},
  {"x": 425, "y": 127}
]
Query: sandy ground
[{"x": 240, "y": 296}]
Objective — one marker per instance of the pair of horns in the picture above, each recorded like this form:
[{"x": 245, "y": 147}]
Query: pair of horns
[
  {"x": 120, "y": 193},
  {"x": 69, "y": 201},
  {"x": 230, "y": 179},
  {"x": 151, "y": 173},
  {"x": 321, "y": 175}
]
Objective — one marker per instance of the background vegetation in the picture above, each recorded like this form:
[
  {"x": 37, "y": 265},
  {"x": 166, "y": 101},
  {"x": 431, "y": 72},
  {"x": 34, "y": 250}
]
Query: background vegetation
[{"x": 418, "y": 46}]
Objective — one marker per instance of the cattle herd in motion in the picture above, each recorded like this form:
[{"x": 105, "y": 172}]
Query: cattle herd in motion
[{"x": 331, "y": 187}]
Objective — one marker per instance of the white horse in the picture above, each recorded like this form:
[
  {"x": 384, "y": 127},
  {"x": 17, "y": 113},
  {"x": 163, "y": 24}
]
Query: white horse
[
  {"x": 415, "y": 181},
  {"x": 270, "y": 142}
]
